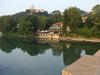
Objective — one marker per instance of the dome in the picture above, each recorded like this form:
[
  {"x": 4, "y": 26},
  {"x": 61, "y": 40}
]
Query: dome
[{"x": 32, "y": 7}]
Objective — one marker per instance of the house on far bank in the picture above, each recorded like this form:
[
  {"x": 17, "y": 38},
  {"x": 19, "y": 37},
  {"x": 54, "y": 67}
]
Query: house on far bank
[
  {"x": 53, "y": 32},
  {"x": 84, "y": 16},
  {"x": 56, "y": 27}
]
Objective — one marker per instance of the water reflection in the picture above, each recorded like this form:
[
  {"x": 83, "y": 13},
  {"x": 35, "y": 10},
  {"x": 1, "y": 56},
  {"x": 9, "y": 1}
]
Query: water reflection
[
  {"x": 83, "y": 53},
  {"x": 70, "y": 51},
  {"x": 8, "y": 44},
  {"x": 67, "y": 44}
]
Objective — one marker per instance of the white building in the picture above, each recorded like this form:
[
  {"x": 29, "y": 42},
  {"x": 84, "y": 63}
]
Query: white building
[
  {"x": 53, "y": 32},
  {"x": 33, "y": 9}
]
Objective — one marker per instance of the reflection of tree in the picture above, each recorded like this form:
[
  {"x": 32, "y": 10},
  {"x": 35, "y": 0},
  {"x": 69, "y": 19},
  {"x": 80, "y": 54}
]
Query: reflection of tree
[
  {"x": 35, "y": 49},
  {"x": 68, "y": 45},
  {"x": 70, "y": 55},
  {"x": 73, "y": 53},
  {"x": 56, "y": 49},
  {"x": 7, "y": 44}
]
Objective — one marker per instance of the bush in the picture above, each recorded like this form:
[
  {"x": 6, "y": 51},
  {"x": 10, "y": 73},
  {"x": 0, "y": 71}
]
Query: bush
[{"x": 85, "y": 32}]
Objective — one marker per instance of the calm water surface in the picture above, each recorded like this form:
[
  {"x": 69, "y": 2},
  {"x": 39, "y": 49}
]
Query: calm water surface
[{"x": 32, "y": 57}]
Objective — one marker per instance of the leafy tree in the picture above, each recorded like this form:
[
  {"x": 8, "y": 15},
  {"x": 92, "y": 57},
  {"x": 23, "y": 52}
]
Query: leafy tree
[
  {"x": 35, "y": 24},
  {"x": 89, "y": 22},
  {"x": 7, "y": 24},
  {"x": 49, "y": 22},
  {"x": 44, "y": 13},
  {"x": 25, "y": 27},
  {"x": 57, "y": 16},
  {"x": 96, "y": 9},
  {"x": 41, "y": 22},
  {"x": 72, "y": 18},
  {"x": 96, "y": 19}
]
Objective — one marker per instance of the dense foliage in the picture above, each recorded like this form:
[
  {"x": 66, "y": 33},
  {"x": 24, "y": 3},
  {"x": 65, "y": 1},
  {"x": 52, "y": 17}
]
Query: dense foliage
[
  {"x": 25, "y": 23},
  {"x": 74, "y": 18}
]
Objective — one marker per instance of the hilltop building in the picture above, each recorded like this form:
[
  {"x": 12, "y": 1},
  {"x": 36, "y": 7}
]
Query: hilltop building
[{"x": 33, "y": 9}]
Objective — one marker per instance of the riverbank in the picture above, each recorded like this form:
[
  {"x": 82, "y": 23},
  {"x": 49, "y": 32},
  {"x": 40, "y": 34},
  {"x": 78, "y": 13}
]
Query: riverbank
[
  {"x": 80, "y": 39},
  {"x": 63, "y": 38}
]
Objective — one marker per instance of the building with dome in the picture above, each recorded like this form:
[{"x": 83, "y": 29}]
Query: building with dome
[{"x": 32, "y": 9}]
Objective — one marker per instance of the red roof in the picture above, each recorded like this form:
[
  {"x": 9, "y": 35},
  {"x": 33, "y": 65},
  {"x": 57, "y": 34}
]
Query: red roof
[{"x": 58, "y": 24}]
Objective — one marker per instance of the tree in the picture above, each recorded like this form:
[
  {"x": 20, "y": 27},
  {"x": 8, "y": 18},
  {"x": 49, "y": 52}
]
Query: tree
[
  {"x": 41, "y": 22},
  {"x": 49, "y": 22},
  {"x": 32, "y": 20},
  {"x": 25, "y": 27},
  {"x": 7, "y": 24},
  {"x": 35, "y": 24},
  {"x": 96, "y": 9},
  {"x": 72, "y": 19},
  {"x": 89, "y": 22},
  {"x": 57, "y": 15},
  {"x": 96, "y": 18}
]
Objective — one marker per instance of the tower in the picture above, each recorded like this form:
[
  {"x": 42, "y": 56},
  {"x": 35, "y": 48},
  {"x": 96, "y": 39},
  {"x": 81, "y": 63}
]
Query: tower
[{"x": 32, "y": 7}]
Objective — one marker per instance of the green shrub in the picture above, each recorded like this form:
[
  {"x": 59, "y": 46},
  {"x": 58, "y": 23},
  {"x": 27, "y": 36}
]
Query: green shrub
[{"x": 85, "y": 32}]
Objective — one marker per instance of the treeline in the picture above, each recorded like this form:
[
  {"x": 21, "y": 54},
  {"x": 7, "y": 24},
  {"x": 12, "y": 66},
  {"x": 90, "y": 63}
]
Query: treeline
[
  {"x": 81, "y": 24},
  {"x": 76, "y": 22},
  {"x": 26, "y": 23}
]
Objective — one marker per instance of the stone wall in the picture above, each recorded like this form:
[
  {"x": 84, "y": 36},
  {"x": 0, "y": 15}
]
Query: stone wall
[{"x": 86, "y": 65}]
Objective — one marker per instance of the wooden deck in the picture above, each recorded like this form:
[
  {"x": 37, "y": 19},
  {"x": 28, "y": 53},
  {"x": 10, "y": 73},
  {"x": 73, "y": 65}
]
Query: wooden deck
[{"x": 87, "y": 65}]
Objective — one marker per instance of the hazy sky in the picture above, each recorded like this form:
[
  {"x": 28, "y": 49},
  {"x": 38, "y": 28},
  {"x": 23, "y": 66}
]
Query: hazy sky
[{"x": 14, "y": 6}]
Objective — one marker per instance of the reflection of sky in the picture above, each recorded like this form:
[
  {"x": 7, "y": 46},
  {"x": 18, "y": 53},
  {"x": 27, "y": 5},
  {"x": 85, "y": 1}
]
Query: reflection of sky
[{"x": 21, "y": 63}]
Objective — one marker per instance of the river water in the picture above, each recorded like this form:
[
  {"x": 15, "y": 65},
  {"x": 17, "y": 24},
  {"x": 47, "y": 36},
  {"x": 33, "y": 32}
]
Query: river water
[{"x": 35, "y": 57}]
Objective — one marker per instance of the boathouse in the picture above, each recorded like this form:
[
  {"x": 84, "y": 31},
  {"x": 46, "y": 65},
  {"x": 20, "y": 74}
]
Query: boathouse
[{"x": 53, "y": 32}]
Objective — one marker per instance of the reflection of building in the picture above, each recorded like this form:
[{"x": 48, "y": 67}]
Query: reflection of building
[
  {"x": 53, "y": 32},
  {"x": 1, "y": 34},
  {"x": 48, "y": 40},
  {"x": 68, "y": 45}
]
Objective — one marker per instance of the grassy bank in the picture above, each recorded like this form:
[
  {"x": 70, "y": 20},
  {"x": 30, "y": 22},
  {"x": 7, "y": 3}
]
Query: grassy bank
[{"x": 68, "y": 38}]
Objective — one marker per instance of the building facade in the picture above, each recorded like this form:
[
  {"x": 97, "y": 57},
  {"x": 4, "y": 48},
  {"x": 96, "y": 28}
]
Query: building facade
[{"x": 53, "y": 32}]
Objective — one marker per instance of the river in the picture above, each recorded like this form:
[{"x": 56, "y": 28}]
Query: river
[{"x": 35, "y": 57}]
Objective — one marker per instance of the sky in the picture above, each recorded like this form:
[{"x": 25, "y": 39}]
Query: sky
[{"x": 8, "y": 7}]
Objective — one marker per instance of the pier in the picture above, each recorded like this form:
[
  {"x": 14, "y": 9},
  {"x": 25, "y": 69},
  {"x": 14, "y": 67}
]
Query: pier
[{"x": 86, "y": 65}]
